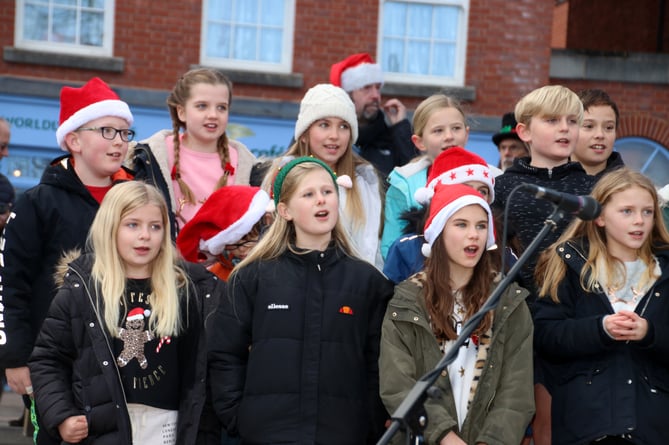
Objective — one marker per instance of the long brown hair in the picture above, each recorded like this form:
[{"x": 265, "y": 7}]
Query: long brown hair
[
  {"x": 178, "y": 97},
  {"x": 438, "y": 292}
]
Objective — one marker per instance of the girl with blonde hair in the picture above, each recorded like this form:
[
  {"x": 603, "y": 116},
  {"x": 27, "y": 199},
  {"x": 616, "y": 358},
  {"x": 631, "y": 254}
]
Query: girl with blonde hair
[
  {"x": 327, "y": 128},
  {"x": 439, "y": 123},
  {"x": 602, "y": 319},
  {"x": 293, "y": 351},
  {"x": 117, "y": 356}
]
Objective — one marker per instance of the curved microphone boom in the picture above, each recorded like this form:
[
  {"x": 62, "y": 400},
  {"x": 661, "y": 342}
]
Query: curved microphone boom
[{"x": 584, "y": 207}]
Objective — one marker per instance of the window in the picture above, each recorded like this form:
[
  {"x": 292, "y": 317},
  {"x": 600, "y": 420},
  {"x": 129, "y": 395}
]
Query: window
[
  {"x": 252, "y": 35},
  {"x": 645, "y": 156},
  {"x": 82, "y": 27},
  {"x": 423, "y": 41}
]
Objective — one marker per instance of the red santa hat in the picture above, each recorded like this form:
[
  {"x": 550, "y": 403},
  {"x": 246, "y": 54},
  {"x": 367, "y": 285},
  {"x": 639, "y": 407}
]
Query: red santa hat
[
  {"x": 456, "y": 165},
  {"x": 355, "y": 72},
  {"x": 224, "y": 218},
  {"x": 138, "y": 314},
  {"x": 447, "y": 200},
  {"x": 92, "y": 101}
]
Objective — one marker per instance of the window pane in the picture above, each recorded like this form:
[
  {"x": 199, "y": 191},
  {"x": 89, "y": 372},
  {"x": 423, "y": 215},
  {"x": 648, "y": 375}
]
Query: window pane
[
  {"x": 35, "y": 22},
  {"x": 392, "y": 59},
  {"x": 394, "y": 18},
  {"x": 98, "y": 4},
  {"x": 270, "y": 45},
  {"x": 445, "y": 23},
  {"x": 645, "y": 156},
  {"x": 443, "y": 60},
  {"x": 91, "y": 28},
  {"x": 219, "y": 10},
  {"x": 272, "y": 13},
  {"x": 79, "y": 23},
  {"x": 64, "y": 26},
  {"x": 420, "y": 19},
  {"x": 255, "y": 31},
  {"x": 245, "y": 43},
  {"x": 423, "y": 38},
  {"x": 419, "y": 58},
  {"x": 246, "y": 11},
  {"x": 218, "y": 43}
]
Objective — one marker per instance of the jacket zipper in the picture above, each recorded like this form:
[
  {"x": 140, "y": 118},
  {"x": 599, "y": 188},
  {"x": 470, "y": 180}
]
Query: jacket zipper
[{"x": 104, "y": 334}]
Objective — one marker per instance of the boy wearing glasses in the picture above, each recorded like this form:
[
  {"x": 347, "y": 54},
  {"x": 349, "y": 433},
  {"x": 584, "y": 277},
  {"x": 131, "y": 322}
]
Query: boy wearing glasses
[
  {"x": 54, "y": 216},
  {"x": 226, "y": 228}
]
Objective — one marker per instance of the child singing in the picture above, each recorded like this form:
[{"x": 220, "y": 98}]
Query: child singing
[
  {"x": 115, "y": 360},
  {"x": 602, "y": 322},
  {"x": 486, "y": 393},
  {"x": 293, "y": 352}
]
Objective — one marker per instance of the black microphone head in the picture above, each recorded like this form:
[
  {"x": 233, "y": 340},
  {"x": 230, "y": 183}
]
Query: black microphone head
[{"x": 590, "y": 208}]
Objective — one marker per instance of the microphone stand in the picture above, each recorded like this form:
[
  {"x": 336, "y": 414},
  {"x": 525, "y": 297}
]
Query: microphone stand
[{"x": 411, "y": 415}]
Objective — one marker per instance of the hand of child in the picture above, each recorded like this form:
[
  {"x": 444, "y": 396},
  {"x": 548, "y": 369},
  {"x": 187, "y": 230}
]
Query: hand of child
[
  {"x": 74, "y": 429},
  {"x": 626, "y": 326},
  {"x": 452, "y": 439},
  {"x": 19, "y": 380},
  {"x": 395, "y": 111}
]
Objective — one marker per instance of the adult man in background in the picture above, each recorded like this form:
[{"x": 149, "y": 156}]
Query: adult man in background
[
  {"x": 508, "y": 143},
  {"x": 384, "y": 130}
]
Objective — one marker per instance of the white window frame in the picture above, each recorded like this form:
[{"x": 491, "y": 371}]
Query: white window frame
[
  {"x": 106, "y": 50},
  {"x": 458, "y": 78},
  {"x": 283, "y": 67}
]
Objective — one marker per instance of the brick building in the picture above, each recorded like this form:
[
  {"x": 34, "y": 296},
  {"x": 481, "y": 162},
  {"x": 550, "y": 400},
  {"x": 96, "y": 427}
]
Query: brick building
[{"x": 487, "y": 53}]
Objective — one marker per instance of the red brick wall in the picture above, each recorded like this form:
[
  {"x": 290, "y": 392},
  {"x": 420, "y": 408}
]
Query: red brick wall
[
  {"x": 614, "y": 25},
  {"x": 508, "y": 53},
  {"x": 643, "y": 107},
  {"x": 560, "y": 22}
]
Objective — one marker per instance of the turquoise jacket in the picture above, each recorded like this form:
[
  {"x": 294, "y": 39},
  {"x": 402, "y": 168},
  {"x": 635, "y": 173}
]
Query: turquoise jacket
[{"x": 403, "y": 182}]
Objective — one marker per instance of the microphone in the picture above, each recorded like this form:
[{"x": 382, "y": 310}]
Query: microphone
[{"x": 584, "y": 207}]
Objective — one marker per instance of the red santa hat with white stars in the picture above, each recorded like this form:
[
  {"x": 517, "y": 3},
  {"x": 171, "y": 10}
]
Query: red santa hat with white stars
[
  {"x": 456, "y": 165},
  {"x": 355, "y": 71}
]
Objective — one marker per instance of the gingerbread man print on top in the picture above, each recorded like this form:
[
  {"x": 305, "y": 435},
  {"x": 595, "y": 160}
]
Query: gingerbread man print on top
[{"x": 134, "y": 337}]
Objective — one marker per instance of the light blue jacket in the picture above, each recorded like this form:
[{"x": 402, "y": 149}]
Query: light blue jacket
[{"x": 403, "y": 183}]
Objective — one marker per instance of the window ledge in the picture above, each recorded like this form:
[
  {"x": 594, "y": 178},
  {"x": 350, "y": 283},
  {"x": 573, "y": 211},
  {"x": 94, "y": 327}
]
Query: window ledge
[
  {"x": 465, "y": 94},
  {"x": 17, "y": 55},
  {"x": 294, "y": 80},
  {"x": 617, "y": 66}
]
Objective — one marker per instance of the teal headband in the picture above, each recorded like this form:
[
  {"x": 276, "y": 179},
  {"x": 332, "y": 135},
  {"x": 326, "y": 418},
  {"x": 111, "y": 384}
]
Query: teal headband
[{"x": 283, "y": 172}]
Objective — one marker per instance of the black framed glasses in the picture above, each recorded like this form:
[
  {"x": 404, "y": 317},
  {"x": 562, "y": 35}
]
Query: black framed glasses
[
  {"x": 110, "y": 133},
  {"x": 242, "y": 243}
]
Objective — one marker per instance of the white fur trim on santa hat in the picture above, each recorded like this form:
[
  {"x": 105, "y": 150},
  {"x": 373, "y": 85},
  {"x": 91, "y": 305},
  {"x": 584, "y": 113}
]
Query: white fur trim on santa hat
[
  {"x": 111, "y": 107},
  {"x": 458, "y": 175},
  {"x": 361, "y": 75},
  {"x": 439, "y": 221},
  {"x": 236, "y": 231}
]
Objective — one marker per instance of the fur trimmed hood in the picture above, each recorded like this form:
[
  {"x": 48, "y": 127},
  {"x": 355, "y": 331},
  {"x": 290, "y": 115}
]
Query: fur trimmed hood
[{"x": 63, "y": 265}]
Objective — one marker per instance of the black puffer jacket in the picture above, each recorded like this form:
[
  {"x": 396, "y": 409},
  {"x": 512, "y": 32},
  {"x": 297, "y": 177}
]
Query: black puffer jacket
[
  {"x": 51, "y": 218},
  {"x": 601, "y": 386},
  {"x": 74, "y": 371},
  {"x": 294, "y": 350}
]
